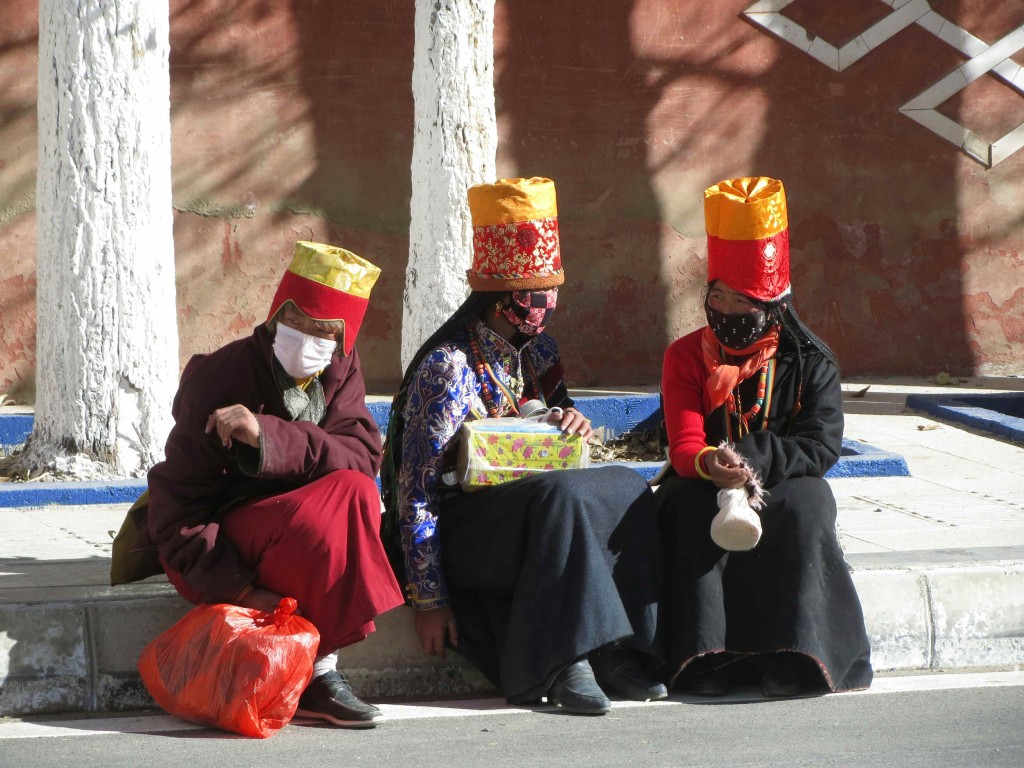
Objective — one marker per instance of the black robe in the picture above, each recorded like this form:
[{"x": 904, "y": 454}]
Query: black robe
[
  {"x": 793, "y": 592},
  {"x": 545, "y": 569}
]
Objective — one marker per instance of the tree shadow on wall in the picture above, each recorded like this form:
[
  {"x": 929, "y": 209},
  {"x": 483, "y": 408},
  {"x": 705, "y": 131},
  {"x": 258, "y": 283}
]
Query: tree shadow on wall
[
  {"x": 874, "y": 211},
  {"x": 877, "y": 251},
  {"x": 573, "y": 103},
  {"x": 236, "y": 120},
  {"x": 356, "y": 70},
  {"x": 299, "y": 121},
  {"x": 219, "y": 59}
]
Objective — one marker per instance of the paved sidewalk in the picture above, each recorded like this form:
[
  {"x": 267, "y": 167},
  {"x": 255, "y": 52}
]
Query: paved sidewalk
[{"x": 938, "y": 559}]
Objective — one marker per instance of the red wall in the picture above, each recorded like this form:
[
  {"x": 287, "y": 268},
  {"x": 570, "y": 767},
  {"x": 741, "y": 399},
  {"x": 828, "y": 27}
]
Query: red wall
[
  {"x": 293, "y": 120},
  {"x": 18, "y": 34}
]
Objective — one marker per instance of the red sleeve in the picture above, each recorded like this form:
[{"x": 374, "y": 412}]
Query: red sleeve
[{"x": 682, "y": 388}]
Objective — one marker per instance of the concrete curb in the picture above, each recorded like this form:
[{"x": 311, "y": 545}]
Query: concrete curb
[
  {"x": 943, "y": 618},
  {"x": 81, "y": 655}
]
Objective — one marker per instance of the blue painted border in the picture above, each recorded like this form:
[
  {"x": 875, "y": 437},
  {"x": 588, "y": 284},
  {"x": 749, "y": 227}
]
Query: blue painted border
[
  {"x": 42, "y": 494},
  {"x": 862, "y": 460},
  {"x": 857, "y": 460},
  {"x": 965, "y": 409},
  {"x": 613, "y": 413},
  {"x": 616, "y": 414},
  {"x": 15, "y": 429},
  {"x": 381, "y": 412}
]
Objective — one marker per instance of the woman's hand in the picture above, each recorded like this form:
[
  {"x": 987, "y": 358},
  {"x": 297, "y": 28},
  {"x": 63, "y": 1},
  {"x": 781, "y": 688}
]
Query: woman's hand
[
  {"x": 431, "y": 624},
  {"x": 724, "y": 475},
  {"x": 262, "y": 600},
  {"x": 235, "y": 422},
  {"x": 572, "y": 422}
]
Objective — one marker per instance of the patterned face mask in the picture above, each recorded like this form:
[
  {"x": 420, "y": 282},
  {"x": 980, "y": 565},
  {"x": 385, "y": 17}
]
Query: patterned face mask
[
  {"x": 737, "y": 331},
  {"x": 530, "y": 311}
]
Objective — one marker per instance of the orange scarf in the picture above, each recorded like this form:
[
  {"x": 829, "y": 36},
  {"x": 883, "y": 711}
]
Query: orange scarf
[{"x": 723, "y": 377}]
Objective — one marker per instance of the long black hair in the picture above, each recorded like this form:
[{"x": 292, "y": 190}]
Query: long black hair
[
  {"x": 792, "y": 328},
  {"x": 800, "y": 337},
  {"x": 473, "y": 307}
]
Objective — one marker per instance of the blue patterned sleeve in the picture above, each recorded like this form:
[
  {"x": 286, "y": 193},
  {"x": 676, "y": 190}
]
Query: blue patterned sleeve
[{"x": 439, "y": 399}]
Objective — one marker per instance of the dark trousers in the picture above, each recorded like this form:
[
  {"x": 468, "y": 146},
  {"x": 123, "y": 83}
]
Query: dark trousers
[{"x": 545, "y": 569}]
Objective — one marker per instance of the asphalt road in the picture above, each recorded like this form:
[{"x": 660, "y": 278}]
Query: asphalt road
[{"x": 899, "y": 724}]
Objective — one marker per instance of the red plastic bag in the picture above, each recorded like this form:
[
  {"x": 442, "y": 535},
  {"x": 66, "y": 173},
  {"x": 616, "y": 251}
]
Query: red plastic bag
[{"x": 234, "y": 668}]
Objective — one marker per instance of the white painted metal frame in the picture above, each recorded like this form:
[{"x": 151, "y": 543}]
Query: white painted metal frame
[{"x": 982, "y": 59}]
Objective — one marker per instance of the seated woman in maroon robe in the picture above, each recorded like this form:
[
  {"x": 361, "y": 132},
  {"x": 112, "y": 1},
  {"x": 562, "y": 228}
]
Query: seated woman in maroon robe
[
  {"x": 756, "y": 377},
  {"x": 268, "y": 485}
]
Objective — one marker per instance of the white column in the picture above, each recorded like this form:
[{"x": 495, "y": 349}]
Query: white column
[
  {"x": 454, "y": 147},
  {"x": 107, "y": 339}
]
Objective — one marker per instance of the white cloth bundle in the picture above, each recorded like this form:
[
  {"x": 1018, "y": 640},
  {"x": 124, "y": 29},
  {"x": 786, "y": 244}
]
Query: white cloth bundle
[{"x": 737, "y": 526}]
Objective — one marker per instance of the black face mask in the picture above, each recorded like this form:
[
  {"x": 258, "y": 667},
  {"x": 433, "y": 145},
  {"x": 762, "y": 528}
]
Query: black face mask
[{"x": 737, "y": 331}]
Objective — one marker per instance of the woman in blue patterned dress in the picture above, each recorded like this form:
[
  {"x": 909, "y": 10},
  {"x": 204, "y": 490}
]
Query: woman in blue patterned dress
[{"x": 548, "y": 584}]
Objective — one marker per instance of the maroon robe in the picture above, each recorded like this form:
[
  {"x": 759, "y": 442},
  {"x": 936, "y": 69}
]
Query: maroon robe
[{"x": 303, "y": 519}]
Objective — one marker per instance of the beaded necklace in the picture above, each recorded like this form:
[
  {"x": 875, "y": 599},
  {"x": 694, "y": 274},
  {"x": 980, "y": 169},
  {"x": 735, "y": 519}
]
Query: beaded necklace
[
  {"x": 734, "y": 405},
  {"x": 488, "y": 381},
  {"x": 486, "y": 378}
]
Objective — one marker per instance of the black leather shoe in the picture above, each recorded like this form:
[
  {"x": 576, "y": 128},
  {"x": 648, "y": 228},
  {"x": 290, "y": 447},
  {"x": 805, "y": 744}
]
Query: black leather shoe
[
  {"x": 712, "y": 682},
  {"x": 575, "y": 690},
  {"x": 618, "y": 671},
  {"x": 781, "y": 677},
  {"x": 329, "y": 698}
]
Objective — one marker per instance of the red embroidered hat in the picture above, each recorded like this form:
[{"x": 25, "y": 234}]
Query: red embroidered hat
[
  {"x": 515, "y": 236},
  {"x": 329, "y": 284},
  {"x": 748, "y": 236}
]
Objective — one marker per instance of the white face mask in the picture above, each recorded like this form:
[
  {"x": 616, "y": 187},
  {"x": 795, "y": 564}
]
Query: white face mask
[{"x": 300, "y": 354}]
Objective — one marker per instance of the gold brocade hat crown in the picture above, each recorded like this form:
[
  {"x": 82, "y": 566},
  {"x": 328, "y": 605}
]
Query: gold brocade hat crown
[
  {"x": 330, "y": 284},
  {"x": 748, "y": 236},
  {"x": 515, "y": 236}
]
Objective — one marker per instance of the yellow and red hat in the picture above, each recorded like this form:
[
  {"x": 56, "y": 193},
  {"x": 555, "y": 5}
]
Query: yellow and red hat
[
  {"x": 515, "y": 236},
  {"x": 748, "y": 236},
  {"x": 328, "y": 284}
]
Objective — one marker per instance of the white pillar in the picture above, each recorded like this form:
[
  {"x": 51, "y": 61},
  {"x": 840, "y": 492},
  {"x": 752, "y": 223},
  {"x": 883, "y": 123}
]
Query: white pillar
[
  {"x": 454, "y": 147},
  {"x": 107, "y": 339}
]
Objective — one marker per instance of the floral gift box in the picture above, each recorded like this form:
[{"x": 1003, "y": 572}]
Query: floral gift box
[{"x": 494, "y": 451}]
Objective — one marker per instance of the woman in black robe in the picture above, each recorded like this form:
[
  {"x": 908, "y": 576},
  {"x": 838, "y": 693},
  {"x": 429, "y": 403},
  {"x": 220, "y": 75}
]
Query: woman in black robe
[
  {"x": 755, "y": 377},
  {"x": 548, "y": 584}
]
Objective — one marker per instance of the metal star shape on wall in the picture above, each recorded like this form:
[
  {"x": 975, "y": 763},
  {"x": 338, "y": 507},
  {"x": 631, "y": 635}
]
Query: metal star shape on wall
[{"x": 983, "y": 58}]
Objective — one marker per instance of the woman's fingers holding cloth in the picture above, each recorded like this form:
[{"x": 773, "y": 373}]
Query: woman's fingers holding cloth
[{"x": 725, "y": 475}]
